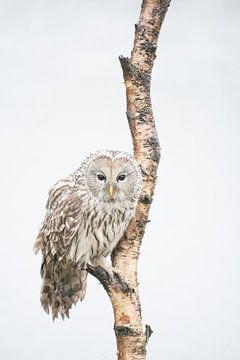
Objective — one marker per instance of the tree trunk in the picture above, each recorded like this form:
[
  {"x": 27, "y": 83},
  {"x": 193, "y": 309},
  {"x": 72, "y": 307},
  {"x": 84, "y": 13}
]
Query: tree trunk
[{"x": 122, "y": 286}]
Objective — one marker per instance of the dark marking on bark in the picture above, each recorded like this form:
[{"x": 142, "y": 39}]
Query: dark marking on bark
[
  {"x": 148, "y": 47},
  {"x": 126, "y": 66},
  {"x": 120, "y": 284},
  {"x": 156, "y": 156},
  {"x": 129, "y": 118},
  {"x": 143, "y": 171},
  {"x": 124, "y": 331},
  {"x": 144, "y": 114},
  {"x": 139, "y": 309},
  {"x": 141, "y": 223},
  {"x": 140, "y": 350},
  {"x": 152, "y": 142},
  {"x": 146, "y": 199},
  {"x": 130, "y": 71},
  {"x": 148, "y": 332}
]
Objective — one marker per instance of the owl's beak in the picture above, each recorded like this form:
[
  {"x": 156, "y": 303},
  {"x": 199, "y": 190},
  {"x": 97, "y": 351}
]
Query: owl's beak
[{"x": 110, "y": 191}]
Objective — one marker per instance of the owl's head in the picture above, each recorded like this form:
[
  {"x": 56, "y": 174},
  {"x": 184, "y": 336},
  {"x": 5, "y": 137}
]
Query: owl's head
[{"x": 113, "y": 176}]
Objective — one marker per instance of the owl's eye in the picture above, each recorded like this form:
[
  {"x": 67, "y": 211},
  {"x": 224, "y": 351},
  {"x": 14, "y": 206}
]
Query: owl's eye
[
  {"x": 121, "y": 177},
  {"x": 101, "y": 177}
]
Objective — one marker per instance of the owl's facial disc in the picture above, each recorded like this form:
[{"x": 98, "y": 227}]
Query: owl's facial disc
[{"x": 111, "y": 180}]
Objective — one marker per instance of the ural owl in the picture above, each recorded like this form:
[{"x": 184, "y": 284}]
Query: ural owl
[{"x": 87, "y": 214}]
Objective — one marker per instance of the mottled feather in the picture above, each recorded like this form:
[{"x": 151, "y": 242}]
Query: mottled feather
[{"x": 84, "y": 222}]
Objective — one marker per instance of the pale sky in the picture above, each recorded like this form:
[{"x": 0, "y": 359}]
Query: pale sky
[{"x": 62, "y": 97}]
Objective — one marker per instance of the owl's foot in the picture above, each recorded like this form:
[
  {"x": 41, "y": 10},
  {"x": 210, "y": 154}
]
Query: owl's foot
[
  {"x": 103, "y": 263},
  {"x": 108, "y": 276}
]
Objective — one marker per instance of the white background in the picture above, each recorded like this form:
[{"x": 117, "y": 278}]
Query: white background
[{"x": 62, "y": 96}]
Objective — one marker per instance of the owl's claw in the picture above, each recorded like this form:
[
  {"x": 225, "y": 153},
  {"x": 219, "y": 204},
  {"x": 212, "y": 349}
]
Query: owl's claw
[
  {"x": 101, "y": 261},
  {"x": 111, "y": 278}
]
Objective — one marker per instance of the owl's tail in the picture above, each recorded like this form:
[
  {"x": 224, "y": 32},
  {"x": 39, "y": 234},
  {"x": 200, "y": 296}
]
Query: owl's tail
[{"x": 61, "y": 288}]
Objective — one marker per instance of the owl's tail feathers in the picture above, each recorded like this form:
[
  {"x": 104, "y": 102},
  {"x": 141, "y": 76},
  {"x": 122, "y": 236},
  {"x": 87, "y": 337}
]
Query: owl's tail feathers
[{"x": 60, "y": 292}]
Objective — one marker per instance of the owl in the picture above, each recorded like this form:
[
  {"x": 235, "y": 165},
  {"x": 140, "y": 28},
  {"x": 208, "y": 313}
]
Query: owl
[{"x": 87, "y": 214}]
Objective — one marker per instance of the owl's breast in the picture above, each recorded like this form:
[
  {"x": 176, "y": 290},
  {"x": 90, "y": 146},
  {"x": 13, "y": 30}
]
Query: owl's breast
[{"x": 99, "y": 233}]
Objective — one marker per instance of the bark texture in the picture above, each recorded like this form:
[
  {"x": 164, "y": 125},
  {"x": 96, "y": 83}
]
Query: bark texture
[{"x": 122, "y": 285}]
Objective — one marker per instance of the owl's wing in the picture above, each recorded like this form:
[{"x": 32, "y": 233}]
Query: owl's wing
[{"x": 61, "y": 221}]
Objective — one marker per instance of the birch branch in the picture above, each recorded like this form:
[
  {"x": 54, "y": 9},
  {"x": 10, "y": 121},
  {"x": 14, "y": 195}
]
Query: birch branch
[{"x": 122, "y": 284}]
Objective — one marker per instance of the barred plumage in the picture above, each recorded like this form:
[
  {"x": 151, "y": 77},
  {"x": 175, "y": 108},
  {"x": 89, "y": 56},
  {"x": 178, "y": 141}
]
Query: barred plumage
[{"x": 87, "y": 214}]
